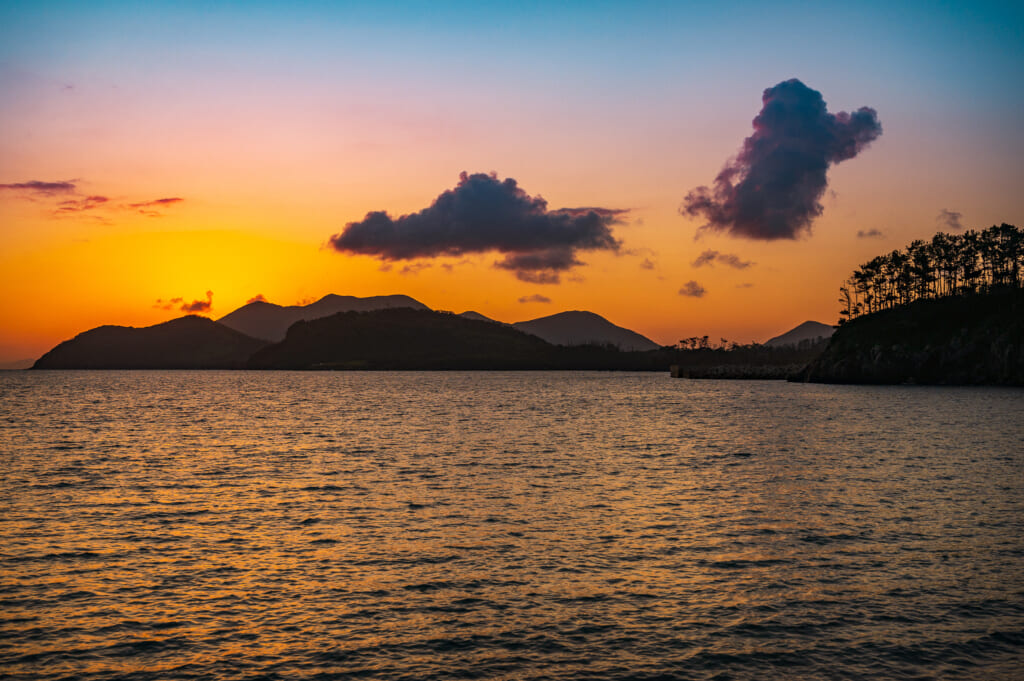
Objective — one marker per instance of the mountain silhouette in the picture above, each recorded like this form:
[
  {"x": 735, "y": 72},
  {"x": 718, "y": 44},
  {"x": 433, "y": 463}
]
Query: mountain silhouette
[
  {"x": 582, "y": 328},
  {"x": 404, "y": 338},
  {"x": 268, "y": 321},
  {"x": 190, "y": 342},
  {"x": 471, "y": 314},
  {"x": 809, "y": 331}
]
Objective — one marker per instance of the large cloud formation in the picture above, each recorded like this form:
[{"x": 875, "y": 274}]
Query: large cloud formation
[
  {"x": 483, "y": 214},
  {"x": 772, "y": 189}
]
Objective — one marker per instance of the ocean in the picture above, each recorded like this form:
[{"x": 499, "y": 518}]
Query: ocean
[{"x": 504, "y": 525}]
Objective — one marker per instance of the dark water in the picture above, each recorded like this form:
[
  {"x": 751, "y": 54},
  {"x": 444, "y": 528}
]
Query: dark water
[{"x": 506, "y": 526}]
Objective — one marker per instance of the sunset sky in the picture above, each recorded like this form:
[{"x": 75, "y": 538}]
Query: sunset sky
[{"x": 156, "y": 151}]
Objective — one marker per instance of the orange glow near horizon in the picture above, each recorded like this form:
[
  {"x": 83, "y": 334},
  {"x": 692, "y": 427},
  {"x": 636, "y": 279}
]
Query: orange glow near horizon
[{"x": 276, "y": 131}]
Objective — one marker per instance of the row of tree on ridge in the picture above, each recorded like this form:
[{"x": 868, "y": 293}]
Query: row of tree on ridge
[{"x": 948, "y": 265}]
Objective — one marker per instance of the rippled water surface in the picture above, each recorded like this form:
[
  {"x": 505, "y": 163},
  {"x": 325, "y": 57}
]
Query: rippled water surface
[{"x": 164, "y": 525}]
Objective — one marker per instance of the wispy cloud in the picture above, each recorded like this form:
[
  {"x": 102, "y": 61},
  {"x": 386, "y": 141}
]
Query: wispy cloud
[
  {"x": 82, "y": 205},
  {"x": 149, "y": 208},
  {"x": 66, "y": 200},
  {"x": 950, "y": 219},
  {"x": 414, "y": 268},
  {"x": 170, "y": 304},
  {"x": 710, "y": 257},
  {"x": 40, "y": 188},
  {"x": 535, "y": 298},
  {"x": 869, "y": 234}
]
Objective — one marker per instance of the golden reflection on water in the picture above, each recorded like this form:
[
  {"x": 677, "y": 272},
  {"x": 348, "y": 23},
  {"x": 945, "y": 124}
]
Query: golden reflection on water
[{"x": 513, "y": 525}]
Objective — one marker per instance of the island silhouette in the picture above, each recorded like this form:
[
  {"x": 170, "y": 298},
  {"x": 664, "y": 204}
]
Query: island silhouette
[{"x": 948, "y": 311}]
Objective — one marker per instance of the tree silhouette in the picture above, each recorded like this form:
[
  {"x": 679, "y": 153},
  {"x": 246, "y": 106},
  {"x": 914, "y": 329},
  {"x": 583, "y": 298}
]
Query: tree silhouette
[{"x": 948, "y": 265}]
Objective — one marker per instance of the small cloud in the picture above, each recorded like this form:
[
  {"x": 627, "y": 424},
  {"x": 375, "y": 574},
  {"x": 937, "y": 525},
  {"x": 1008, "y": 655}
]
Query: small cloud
[
  {"x": 180, "y": 304},
  {"x": 538, "y": 277},
  {"x": 710, "y": 257},
  {"x": 535, "y": 298},
  {"x": 199, "y": 305},
  {"x": 647, "y": 264},
  {"x": 157, "y": 202},
  {"x": 692, "y": 289},
  {"x": 385, "y": 267},
  {"x": 950, "y": 219},
  {"x": 258, "y": 298},
  {"x": 81, "y": 205},
  {"x": 745, "y": 284},
  {"x": 414, "y": 268},
  {"x": 167, "y": 304},
  {"x": 869, "y": 234},
  {"x": 449, "y": 267},
  {"x": 148, "y": 208},
  {"x": 41, "y": 188}
]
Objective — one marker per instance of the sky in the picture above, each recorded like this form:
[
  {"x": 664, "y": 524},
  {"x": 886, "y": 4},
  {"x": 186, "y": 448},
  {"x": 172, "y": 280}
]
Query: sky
[{"x": 161, "y": 158}]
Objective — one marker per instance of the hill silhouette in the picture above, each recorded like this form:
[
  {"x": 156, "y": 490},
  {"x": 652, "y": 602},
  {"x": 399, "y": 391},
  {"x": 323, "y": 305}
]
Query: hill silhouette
[
  {"x": 972, "y": 339},
  {"x": 472, "y": 314},
  {"x": 190, "y": 342},
  {"x": 268, "y": 321},
  {"x": 404, "y": 338},
  {"x": 578, "y": 327},
  {"x": 808, "y": 331}
]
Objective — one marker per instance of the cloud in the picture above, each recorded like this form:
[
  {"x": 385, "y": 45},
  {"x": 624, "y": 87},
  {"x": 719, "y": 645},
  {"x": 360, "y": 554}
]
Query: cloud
[
  {"x": 180, "y": 304},
  {"x": 710, "y": 257},
  {"x": 168, "y": 304},
  {"x": 745, "y": 284},
  {"x": 869, "y": 234},
  {"x": 540, "y": 267},
  {"x": 950, "y": 219},
  {"x": 199, "y": 305},
  {"x": 258, "y": 298},
  {"x": 157, "y": 202},
  {"x": 484, "y": 214},
  {"x": 148, "y": 208},
  {"x": 71, "y": 202},
  {"x": 81, "y": 205},
  {"x": 414, "y": 268},
  {"x": 647, "y": 264},
  {"x": 535, "y": 298},
  {"x": 692, "y": 289},
  {"x": 773, "y": 188},
  {"x": 41, "y": 188}
]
